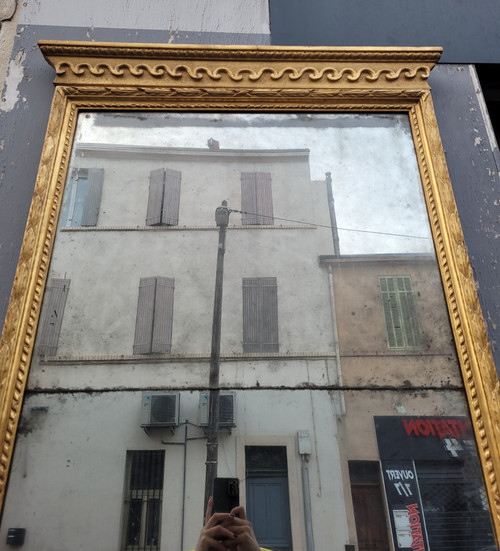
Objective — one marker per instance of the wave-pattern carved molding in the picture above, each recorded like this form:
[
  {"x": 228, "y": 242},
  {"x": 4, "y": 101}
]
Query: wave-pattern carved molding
[
  {"x": 217, "y": 66},
  {"x": 138, "y": 77},
  {"x": 200, "y": 73}
]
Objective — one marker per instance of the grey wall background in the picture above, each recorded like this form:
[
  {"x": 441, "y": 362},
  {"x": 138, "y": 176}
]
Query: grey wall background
[{"x": 468, "y": 30}]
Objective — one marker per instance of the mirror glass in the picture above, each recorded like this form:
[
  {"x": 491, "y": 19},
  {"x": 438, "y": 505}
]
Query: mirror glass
[{"x": 342, "y": 410}]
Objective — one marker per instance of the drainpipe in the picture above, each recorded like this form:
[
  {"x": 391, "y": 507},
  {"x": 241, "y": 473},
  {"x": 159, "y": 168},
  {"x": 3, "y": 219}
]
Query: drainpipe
[
  {"x": 336, "y": 254},
  {"x": 336, "y": 340},
  {"x": 184, "y": 470},
  {"x": 304, "y": 452}
]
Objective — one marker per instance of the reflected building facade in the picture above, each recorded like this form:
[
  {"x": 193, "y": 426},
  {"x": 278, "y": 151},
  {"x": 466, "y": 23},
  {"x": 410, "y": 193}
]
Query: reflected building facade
[{"x": 335, "y": 369}]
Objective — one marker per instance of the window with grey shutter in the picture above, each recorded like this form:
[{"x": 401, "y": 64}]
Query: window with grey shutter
[
  {"x": 256, "y": 198},
  {"x": 51, "y": 322},
  {"x": 164, "y": 197},
  {"x": 155, "y": 307},
  {"x": 82, "y": 198},
  {"x": 400, "y": 312},
  {"x": 260, "y": 315}
]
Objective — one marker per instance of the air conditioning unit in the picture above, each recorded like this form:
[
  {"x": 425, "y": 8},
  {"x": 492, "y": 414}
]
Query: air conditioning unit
[
  {"x": 160, "y": 409},
  {"x": 227, "y": 409}
]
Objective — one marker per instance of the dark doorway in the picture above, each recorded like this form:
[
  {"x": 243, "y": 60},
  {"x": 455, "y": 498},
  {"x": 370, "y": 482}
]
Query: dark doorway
[
  {"x": 369, "y": 509},
  {"x": 489, "y": 78}
]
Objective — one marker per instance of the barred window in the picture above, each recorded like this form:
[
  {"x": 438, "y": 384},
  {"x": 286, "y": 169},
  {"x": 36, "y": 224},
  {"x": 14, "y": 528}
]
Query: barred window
[{"x": 143, "y": 500}]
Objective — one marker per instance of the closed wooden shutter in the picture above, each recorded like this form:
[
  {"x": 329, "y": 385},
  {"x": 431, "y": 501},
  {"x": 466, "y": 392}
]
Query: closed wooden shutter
[
  {"x": 269, "y": 321},
  {"x": 256, "y": 198},
  {"x": 171, "y": 197},
  {"x": 153, "y": 326},
  {"x": 145, "y": 315},
  {"x": 264, "y": 198},
  {"x": 155, "y": 197},
  {"x": 248, "y": 198},
  {"x": 164, "y": 197},
  {"x": 50, "y": 326},
  {"x": 251, "y": 315},
  {"x": 164, "y": 309},
  {"x": 95, "y": 178},
  {"x": 260, "y": 315}
]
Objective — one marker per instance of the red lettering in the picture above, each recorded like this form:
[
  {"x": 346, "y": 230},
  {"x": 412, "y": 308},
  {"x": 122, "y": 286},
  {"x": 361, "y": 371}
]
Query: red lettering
[
  {"x": 445, "y": 429},
  {"x": 414, "y": 519},
  {"x": 410, "y": 427},
  {"x": 455, "y": 425},
  {"x": 436, "y": 427},
  {"x": 423, "y": 427},
  {"x": 417, "y": 542},
  {"x": 413, "y": 508}
]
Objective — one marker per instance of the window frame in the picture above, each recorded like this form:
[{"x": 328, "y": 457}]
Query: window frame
[{"x": 87, "y": 195}]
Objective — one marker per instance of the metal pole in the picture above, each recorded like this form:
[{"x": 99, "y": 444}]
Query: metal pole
[
  {"x": 307, "y": 503},
  {"x": 222, "y": 220}
]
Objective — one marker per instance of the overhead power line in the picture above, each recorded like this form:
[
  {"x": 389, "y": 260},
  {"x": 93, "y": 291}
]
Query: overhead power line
[{"x": 330, "y": 227}]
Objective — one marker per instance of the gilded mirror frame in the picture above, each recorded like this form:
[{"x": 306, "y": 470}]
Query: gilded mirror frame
[{"x": 110, "y": 76}]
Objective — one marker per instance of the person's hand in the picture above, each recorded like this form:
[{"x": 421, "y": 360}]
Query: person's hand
[
  {"x": 244, "y": 538},
  {"x": 215, "y": 533}
]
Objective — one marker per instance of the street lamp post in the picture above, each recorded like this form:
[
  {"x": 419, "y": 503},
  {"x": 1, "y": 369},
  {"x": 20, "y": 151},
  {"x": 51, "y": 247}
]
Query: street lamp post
[{"x": 222, "y": 220}]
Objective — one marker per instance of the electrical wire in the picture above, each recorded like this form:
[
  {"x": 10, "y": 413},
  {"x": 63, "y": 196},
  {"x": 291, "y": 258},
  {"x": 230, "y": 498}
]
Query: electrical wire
[{"x": 329, "y": 227}]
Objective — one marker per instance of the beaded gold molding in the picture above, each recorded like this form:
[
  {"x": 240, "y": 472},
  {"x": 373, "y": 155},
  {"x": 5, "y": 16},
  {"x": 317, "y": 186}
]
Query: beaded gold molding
[{"x": 100, "y": 76}]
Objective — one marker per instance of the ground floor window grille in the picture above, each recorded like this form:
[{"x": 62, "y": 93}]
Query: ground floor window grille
[
  {"x": 455, "y": 506},
  {"x": 144, "y": 479}
]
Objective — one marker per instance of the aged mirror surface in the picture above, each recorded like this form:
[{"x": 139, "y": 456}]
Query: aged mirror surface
[{"x": 343, "y": 409}]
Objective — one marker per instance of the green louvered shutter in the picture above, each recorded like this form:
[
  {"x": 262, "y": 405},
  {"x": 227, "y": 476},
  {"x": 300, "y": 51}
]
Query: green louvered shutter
[{"x": 400, "y": 313}]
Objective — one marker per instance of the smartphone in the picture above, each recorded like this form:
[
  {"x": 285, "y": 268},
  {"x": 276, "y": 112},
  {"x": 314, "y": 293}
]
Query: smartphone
[{"x": 226, "y": 494}]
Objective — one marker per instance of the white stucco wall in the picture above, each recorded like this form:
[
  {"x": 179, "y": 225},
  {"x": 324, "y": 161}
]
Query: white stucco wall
[{"x": 74, "y": 453}]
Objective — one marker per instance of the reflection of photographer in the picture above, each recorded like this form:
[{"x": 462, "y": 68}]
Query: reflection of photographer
[{"x": 227, "y": 531}]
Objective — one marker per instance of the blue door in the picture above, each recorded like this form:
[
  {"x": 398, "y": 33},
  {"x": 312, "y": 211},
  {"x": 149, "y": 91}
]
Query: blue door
[{"x": 268, "y": 504}]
